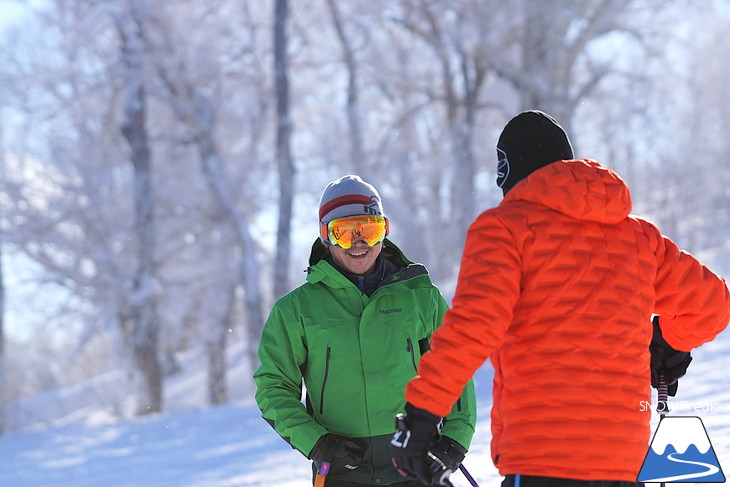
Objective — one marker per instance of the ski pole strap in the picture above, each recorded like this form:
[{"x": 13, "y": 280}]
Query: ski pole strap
[
  {"x": 468, "y": 475},
  {"x": 439, "y": 472},
  {"x": 324, "y": 469}
]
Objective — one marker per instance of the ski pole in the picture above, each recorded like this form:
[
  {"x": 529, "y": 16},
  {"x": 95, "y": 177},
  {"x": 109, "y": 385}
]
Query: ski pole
[
  {"x": 468, "y": 475},
  {"x": 321, "y": 474}
]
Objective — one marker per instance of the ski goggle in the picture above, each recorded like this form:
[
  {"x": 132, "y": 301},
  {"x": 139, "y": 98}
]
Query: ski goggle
[{"x": 343, "y": 232}]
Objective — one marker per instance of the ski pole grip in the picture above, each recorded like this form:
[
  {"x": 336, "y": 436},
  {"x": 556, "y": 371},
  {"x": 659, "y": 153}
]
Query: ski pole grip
[{"x": 324, "y": 469}]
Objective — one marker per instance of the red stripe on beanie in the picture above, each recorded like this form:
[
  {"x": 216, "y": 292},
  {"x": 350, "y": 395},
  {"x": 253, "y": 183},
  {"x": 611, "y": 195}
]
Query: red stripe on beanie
[{"x": 348, "y": 199}]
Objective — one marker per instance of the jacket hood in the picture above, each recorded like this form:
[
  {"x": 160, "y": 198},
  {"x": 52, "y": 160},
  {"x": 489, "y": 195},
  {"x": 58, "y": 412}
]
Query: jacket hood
[{"x": 582, "y": 189}]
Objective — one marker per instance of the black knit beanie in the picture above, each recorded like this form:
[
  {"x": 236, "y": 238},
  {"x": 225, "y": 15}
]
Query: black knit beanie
[{"x": 529, "y": 141}]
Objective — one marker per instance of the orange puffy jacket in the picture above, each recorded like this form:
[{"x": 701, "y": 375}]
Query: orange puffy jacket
[{"x": 557, "y": 287}]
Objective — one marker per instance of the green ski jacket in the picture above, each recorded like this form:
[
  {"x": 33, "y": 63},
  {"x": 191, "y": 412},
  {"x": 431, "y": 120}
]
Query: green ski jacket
[{"x": 354, "y": 354}]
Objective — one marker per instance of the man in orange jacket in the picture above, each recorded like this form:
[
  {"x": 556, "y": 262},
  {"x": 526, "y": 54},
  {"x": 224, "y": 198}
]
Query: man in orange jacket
[{"x": 557, "y": 287}]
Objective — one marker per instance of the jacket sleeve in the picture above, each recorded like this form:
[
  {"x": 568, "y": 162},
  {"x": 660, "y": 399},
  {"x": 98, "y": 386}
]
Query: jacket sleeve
[
  {"x": 487, "y": 290},
  {"x": 459, "y": 425},
  {"x": 282, "y": 355},
  {"x": 692, "y": 302}
]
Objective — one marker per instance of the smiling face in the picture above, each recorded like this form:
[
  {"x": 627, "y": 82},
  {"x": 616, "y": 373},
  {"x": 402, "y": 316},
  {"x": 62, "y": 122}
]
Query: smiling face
[{"x": 358, "y": 259}]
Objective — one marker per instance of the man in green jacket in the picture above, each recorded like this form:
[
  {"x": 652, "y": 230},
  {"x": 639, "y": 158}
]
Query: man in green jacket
[{"x": 353, "y": 334}]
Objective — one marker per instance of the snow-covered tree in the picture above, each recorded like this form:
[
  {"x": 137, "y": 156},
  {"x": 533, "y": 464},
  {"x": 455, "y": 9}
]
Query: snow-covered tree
[
  {"x": 143, "y": 306},
  {"x": 283, "y": 150}
]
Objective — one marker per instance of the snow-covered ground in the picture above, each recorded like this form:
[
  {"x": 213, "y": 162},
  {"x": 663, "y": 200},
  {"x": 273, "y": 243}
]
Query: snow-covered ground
[{"x": 231, "y": 446}]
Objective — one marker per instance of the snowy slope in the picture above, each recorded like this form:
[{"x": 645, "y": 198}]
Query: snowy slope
[{"x": 231, "y": 446}]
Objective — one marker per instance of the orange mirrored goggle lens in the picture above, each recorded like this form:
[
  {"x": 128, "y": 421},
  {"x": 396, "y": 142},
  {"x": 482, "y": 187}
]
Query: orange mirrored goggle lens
[{"x": 345, "y": 231}]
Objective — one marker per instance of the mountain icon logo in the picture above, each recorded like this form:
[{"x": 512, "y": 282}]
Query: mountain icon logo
[{"x": 681, "y": 452}]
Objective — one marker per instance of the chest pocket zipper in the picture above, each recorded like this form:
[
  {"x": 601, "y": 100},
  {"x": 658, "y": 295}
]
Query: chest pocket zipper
[
  {"x": 412, "y": 352},
  {"x": 324, "y": 380}
]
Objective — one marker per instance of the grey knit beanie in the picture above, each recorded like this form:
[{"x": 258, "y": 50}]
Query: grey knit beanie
[{"x": 349, "y": 196}]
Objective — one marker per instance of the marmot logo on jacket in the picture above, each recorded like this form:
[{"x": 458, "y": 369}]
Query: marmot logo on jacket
[{"x": 391, "y": 311}]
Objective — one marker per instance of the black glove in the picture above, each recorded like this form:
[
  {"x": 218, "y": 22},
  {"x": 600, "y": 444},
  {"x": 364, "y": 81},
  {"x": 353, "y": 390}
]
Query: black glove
[
  {"x": 338, "y": 451},
  {"x": 416, "y": 432},
  {"x": 449, "y": 452},
  {"x": 666, "y": 361}
]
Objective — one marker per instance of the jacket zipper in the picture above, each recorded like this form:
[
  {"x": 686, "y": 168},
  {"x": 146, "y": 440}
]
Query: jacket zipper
[
  {"x": 324, "y": 380},
  {"x": 413, "y": 354}
]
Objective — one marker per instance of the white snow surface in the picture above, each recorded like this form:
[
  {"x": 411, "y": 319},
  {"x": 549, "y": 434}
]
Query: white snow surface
[{"x": 81, "y": 445}]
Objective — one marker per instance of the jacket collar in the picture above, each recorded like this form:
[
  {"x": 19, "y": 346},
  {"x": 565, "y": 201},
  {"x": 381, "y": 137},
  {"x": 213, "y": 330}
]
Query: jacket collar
[{"x": 396, "y": 266}]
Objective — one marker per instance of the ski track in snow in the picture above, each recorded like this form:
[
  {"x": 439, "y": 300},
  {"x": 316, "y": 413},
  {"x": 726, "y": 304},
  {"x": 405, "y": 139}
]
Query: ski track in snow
[
  {"x": 711, "y": 469},
  {"x": 231, "y": 446}
]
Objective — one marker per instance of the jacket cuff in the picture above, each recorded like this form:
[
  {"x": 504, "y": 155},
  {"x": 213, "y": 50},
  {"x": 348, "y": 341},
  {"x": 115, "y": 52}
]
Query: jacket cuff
[{"x": 421, "y": 414}]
